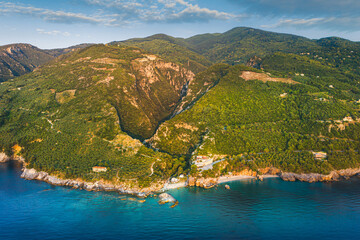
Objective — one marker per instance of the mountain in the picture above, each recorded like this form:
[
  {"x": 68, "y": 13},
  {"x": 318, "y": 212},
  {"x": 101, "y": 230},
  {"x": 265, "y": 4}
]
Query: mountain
[
  {"x": 19, "y": 59},
  {"x": 239, "y": 44},
  {"x": 172, "y": 49},
  {"x": 60, "y": 51},
  {"x": 146, "y": 109}
]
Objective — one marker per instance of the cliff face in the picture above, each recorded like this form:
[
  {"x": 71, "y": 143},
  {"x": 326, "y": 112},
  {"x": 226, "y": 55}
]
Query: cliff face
[{"x": 155, "y": 90}]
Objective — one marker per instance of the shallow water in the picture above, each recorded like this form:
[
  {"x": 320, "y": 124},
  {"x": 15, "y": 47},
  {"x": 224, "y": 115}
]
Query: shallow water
[{"x": 272, "y": 209}]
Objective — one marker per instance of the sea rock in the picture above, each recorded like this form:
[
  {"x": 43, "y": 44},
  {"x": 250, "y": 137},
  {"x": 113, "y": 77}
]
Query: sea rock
[
  {"x": 90, "y": 186},
  {"x": 206, "y": 182},
  {"x": 30, "y": 174},
  {"x": 142, "y": 194},
  {"x": 288, "y": 177},
  {"x": 4, "y": 158},
  {"x": 165, "y": 198},
  {"x": 42, "y": 176},
  {"x": 56, "y": 181},
  {"x": 191, "y": 181}
]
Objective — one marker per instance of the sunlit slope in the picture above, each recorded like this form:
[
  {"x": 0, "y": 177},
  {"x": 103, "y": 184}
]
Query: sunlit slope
[
  {"x": 276, "y": 121},
  {"x": 80, "y": 111}
]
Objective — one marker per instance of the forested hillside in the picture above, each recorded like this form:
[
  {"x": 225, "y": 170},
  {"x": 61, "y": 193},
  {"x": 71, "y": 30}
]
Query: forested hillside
[{"x": 146, "y": 108}]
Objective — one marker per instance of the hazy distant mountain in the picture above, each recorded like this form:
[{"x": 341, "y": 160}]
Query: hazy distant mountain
[
  {"x": 60, "y": 51},
  {"x": 19, "y": 59}
]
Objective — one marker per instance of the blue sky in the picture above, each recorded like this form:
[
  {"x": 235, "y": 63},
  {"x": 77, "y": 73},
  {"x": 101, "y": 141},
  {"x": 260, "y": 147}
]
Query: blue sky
[{"x": 62, "y": 23}]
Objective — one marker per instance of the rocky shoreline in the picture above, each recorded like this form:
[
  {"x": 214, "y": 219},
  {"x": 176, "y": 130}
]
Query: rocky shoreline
[
  {"x": 4, "y": 158},
  {"x": 335, "y": 175},
  {"x": 316, "y": 177},
  {"x": 32, "y": 174}
]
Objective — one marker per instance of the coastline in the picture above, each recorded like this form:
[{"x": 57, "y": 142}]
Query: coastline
[{"x": 33, "y": 174}]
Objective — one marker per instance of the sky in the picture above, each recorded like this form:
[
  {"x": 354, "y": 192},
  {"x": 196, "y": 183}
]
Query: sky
[{"x": 62, "y": 23}]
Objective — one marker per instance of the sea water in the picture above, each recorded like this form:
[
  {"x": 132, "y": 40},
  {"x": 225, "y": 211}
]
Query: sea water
[{"x": 272, "y": 209}]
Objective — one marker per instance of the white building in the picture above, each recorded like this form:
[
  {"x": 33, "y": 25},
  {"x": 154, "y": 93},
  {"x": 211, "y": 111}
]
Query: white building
[
  {"x": 99, "y": 169},
  {"x": 201, "y": 161}
]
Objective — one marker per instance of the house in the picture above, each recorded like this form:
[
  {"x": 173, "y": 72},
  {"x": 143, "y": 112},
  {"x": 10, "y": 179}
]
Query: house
[
  {"x": 99, "y": 169},
  {"x": 319, "y": 155},
  {"x": 348, "y": 119},
  {"x": 331, "y": 86},
  {"x": 201, "y": 161},
  {"x": 283, "y": 95}
]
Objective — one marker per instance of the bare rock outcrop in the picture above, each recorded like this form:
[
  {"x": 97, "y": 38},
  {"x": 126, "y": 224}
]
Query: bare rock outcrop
[{"x": 4, "y": 158}]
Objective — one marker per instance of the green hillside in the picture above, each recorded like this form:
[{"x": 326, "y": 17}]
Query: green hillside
[
  {"x": 67, "y": 115},
  {"x": 243, "y": 119},
  {"x": 171, "y": 49},
  {"x": 240, "y": 44},
  {"x": 146, "y": 108}
]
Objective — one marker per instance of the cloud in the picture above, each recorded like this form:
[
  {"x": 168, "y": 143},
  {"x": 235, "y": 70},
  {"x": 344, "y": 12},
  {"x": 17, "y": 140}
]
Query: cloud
[
  {"x": 194, "y": 13},
  {"x": 334, "y": 23},
  {"x": 175, "y": 11},
  {"x": 316, "y": 8},
  {"x": 50, "y": 15},
  {"x": 339, "y": 15},
  {"x": 53, "y": 32},
  {"x": 123, "y": 12}
]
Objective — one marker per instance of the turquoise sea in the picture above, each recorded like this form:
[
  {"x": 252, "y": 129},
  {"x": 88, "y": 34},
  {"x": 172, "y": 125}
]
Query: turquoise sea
[{"x": 272, "y": 209}]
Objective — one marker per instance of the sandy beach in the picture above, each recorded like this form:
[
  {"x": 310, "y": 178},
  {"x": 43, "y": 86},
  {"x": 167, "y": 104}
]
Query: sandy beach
[{"x": 169, "y": 186}]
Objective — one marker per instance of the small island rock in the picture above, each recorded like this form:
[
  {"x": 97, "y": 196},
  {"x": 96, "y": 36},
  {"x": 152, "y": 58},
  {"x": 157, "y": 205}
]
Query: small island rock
[{"x": 165, "y": 198}]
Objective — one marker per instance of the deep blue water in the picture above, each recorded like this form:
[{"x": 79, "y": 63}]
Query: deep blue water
[{"x": 271, "y": 209}]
